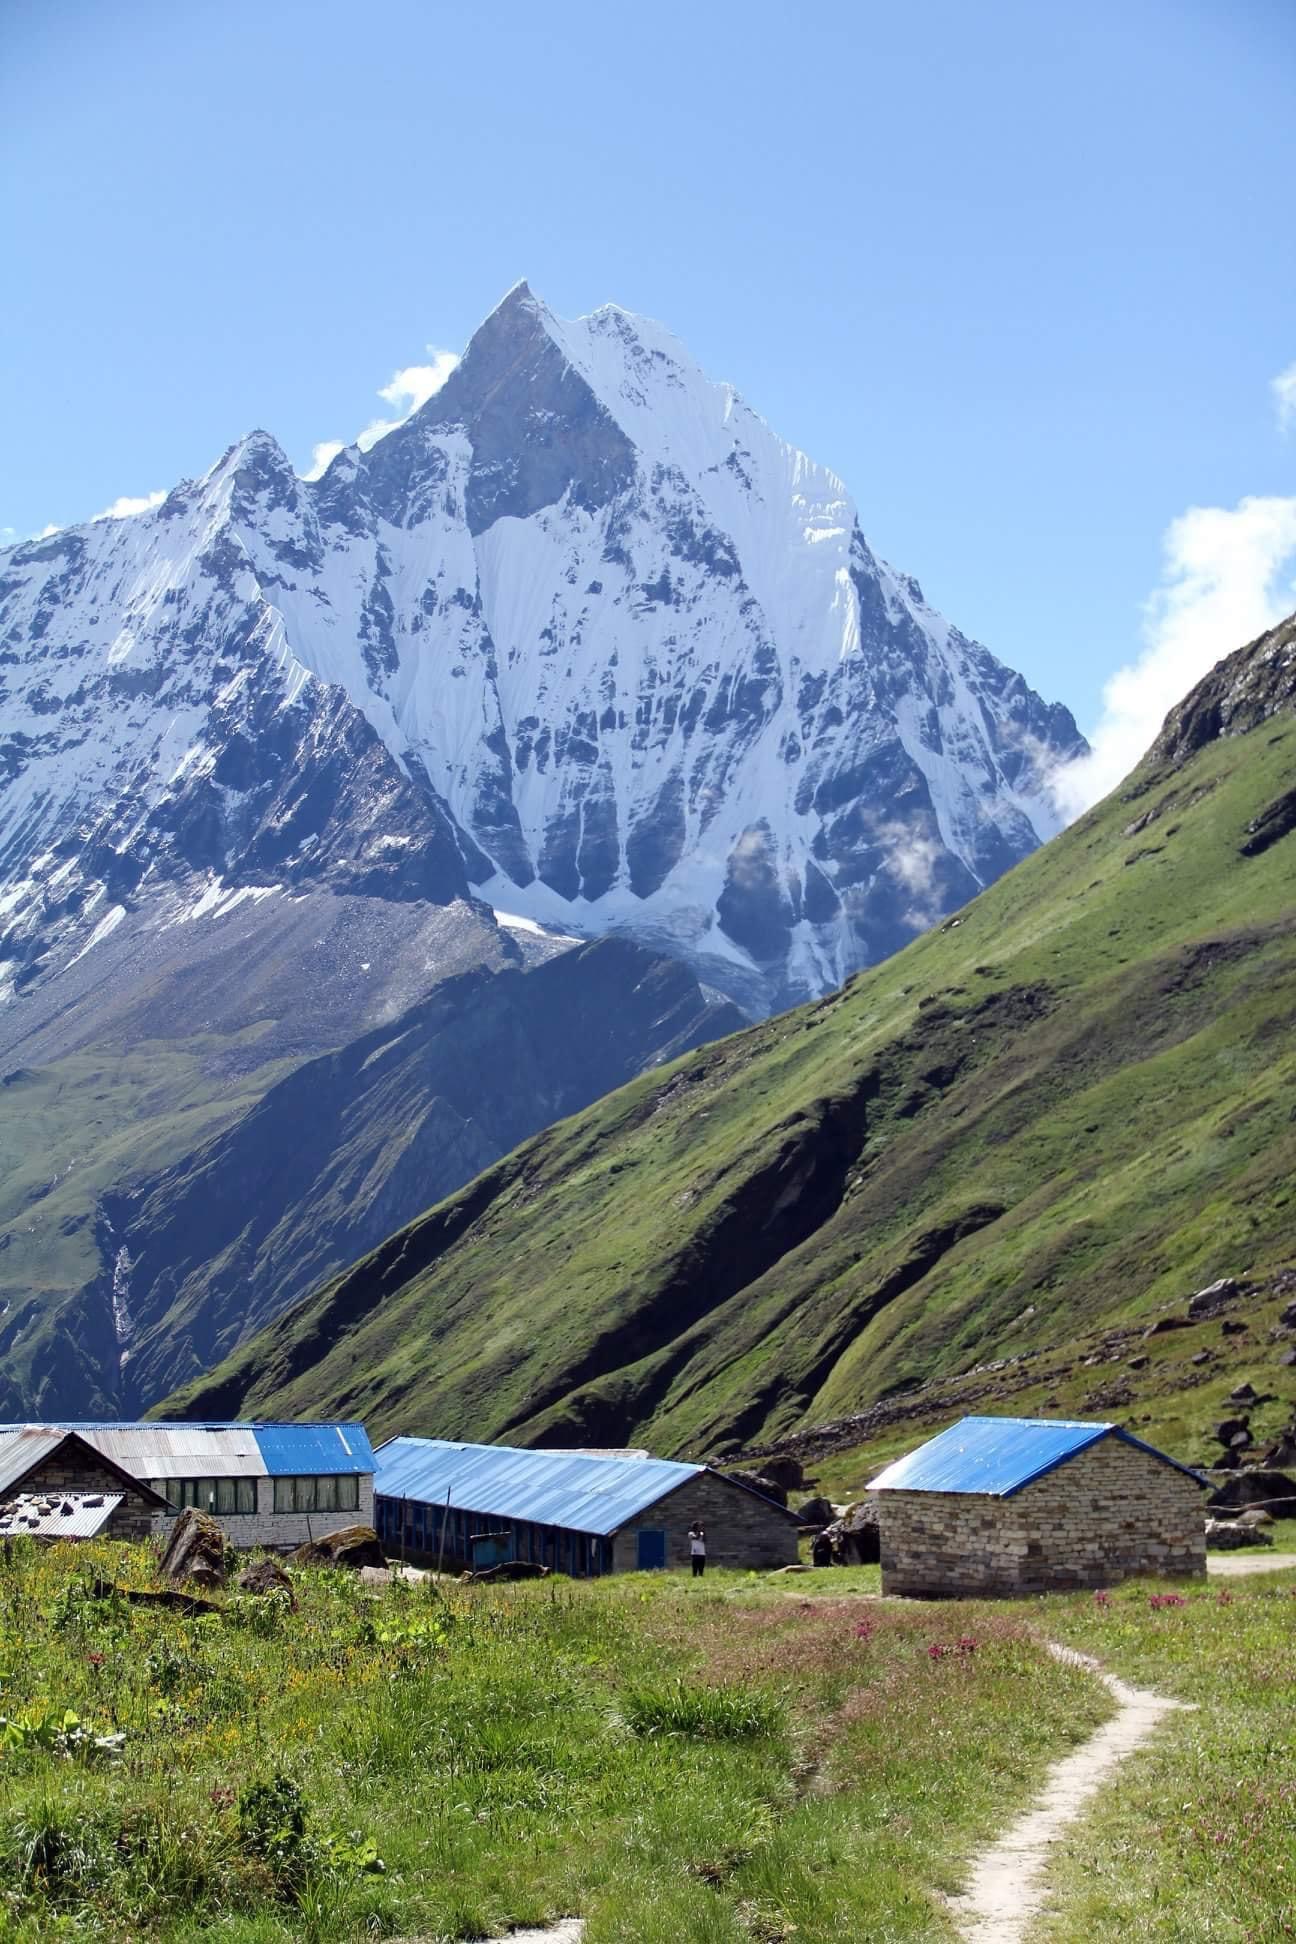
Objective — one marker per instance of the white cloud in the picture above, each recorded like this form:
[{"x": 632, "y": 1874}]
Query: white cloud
[
  {"x": 406, "y": 391},
  {"x": 1283, "y": 388},
  {"x": 322, "y": 457},
  {"x": 121, "y": 509},
  {"x": 1230, "y": 573},
  {"x": 47, "y": 531}
]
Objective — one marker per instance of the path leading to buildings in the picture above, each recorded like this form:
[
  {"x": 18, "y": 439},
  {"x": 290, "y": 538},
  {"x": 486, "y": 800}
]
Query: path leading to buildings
[
  {"x": 1229, "y": 1565},
  {"x": 1007, "y": 1885}
]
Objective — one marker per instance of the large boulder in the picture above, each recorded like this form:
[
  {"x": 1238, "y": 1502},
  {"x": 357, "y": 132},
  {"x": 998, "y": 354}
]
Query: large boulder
[
  {"x": 784, "y": 1471},
  {"x": 759, "y": 1482},
  {"x": 1258, "y": 1486},
  {"x": 1226, "y": 1535},
  {"x": 353, "y": 1546},
  {"x": 195, "y": 1551},
  {"x": 855, "y": 1537},
  {"x": 267, "y": 1576},
  {"x": 816, "y": 1512},
  {"x": 1213, "y": 1296}
]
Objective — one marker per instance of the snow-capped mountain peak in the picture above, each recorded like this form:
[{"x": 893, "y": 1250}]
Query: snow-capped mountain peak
[{"x": 601, "y": 644}]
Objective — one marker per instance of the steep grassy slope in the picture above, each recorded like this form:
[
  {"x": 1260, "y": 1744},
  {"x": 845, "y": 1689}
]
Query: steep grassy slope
[{"x": 1064, "y": 1108}]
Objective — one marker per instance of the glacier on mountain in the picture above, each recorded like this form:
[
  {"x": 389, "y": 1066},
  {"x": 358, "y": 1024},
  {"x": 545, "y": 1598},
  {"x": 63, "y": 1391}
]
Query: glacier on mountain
[{"x": 582, "y": 639}]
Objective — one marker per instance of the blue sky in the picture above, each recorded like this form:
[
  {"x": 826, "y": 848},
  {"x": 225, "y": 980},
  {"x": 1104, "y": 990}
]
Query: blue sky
[{"x": 1024, "y": 275}]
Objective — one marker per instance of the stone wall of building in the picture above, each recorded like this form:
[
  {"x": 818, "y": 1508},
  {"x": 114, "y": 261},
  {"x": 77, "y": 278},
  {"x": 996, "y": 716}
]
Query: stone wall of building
[
  {"x": 1105, "y": 1515},
  {"x": 278, "y": 1531},
  {"x": 742, "y": 1529},
  {"x": 65, "y": 1472}
]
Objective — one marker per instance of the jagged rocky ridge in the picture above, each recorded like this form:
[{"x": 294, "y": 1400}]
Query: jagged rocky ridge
[{"x": 582, "y": 637}]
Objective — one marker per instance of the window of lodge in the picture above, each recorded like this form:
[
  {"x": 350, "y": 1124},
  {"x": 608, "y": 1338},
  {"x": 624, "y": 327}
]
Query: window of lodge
[
  {"x": 332, "y": 1493},
  {"x": 219, "y": 1495}
]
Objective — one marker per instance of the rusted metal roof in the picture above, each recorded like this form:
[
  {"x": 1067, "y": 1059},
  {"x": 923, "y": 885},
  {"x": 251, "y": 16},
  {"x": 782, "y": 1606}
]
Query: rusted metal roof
[{"x": 57, "y": 1515}]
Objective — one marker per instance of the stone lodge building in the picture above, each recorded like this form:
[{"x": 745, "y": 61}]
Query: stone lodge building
[
  {"x": 576, "y": 1512},
  {"x": 271, "y": 1485},
  {"x": 56, "y": 1485},
  {"x": 1035, "y": 1505}
]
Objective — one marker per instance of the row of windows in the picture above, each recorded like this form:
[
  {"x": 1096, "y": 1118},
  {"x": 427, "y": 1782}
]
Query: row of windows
[
  {"x": 219, "y": 1495},
  {"x": 226, "y": 1495},
  {"x": 333, "y": 1493}
]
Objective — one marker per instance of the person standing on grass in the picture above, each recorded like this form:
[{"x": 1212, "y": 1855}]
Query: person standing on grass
[{"x": 697, "y": 1547}]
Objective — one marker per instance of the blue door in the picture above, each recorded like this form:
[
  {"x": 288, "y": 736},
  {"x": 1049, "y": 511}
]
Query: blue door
[{"x": 652, "y": 1551}]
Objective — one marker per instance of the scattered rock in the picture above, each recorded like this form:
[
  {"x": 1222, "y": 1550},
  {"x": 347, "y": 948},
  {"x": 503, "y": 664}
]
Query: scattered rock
[
  {"x": 1212, "y": 1296},
  {"x": 267, "y": 1576},
  {"x": 760, "y": 1482},
  {"x": 352, "y": 1546},
  {"x": 855, "y": 1538},
  {"x": 1244, "y": 1394},
  {"x": 1288, "y": 1357},
  {"x": 186, "y": 1603},
  {"x": 1234, "y": 1432},
  {"x": 507, "y": 1569},
  {"x": 1225, "y": 1535},
  {"x": 1255, "y": 1515},
  {"x": 1258, "y": 1486},
  {"x": 1202, "y": 1357},
  {"x": 784, "y": 1471},
  {"x": 1138, "y": 1363},
  {"x": 195, "y": 1551},
  {"x": 1287, "y": 1317},
  {"x": 1281, "y": 1454},
  {"x": 1164, "y": 1323},
  {"x": 816, "y": 1512},
  {"x": 1231, "y": 1326}
]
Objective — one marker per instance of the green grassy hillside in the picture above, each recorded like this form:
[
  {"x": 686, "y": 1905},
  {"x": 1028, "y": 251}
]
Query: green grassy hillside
[{"x": 1063, "y": 1110}]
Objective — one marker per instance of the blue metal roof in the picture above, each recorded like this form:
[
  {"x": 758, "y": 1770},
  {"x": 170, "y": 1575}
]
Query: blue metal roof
[
  {"x": 997, "y": 1456},
  {"x": 555, "y": 1488},
  {"x": 289, "y": 1449}
]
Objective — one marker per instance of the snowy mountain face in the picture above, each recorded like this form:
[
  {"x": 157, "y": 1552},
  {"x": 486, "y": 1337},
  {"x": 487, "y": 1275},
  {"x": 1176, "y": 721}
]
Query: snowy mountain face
[{"x": 581, "y": 639}]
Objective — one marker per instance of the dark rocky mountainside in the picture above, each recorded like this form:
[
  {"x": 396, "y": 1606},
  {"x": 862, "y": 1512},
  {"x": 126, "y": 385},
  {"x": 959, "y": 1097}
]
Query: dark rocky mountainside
[
  {"x": 1047, "y": 1121},
  {"x": 333, "y": 1158}
]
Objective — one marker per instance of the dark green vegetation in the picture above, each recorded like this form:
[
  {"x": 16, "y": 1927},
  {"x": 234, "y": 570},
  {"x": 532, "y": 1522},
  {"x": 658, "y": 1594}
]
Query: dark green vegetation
[
  {"x": 730, "y": 1760},
  {"x": 166, "y": 1191},
  {"x": 1196, "y": 1842},
  {"x": 1048, "y": 1120}
]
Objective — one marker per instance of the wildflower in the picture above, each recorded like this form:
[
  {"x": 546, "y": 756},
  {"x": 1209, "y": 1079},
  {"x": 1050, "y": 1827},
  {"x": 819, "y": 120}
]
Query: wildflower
[
  {"x": 223, "y": 1796},
  {"x": 936, "y": 1651},
  {"x": 967, "y": 1645},
  {"x": 864, "y": 1630},
  {"x": 1102, "y": 1597},
  {"x": 1223, "y": 1597},
  {"x": 96, "y": 1660},
  {"x": 1158, "y": 1600}
]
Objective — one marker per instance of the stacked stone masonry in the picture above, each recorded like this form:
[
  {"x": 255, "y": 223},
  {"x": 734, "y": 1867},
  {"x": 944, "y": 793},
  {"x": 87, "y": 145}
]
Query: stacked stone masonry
[
  {"x": 134, "y": 1517},
  {"x": 742, "y": 1529},
  {"x": 1108, "y": 1514},
  {"x": 278, "y": 1531}
]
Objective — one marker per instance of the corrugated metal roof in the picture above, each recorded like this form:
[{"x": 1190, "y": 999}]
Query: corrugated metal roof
[
  {"x": 997, "y": 1456},
  {"x": 169, "y": 1450},
  {"x": 24, "y": 1448},
  {"x": 289, "y": 1449},
  {"x": 555, "y": 1488},
  {"x": 58, "y": 1515}
]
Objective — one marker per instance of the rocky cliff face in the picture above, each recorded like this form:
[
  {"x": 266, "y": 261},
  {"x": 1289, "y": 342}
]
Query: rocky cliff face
[{"x": 582, "y": 637}]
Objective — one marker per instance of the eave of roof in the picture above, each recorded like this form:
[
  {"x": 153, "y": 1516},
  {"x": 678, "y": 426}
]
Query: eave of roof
[{"x": 991, "y": 1457}]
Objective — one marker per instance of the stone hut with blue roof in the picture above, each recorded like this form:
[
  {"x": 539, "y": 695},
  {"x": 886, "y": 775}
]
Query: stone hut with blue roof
[
  {"x": 577, "y": 1512},
  {"x": 999, "y": 1505}
]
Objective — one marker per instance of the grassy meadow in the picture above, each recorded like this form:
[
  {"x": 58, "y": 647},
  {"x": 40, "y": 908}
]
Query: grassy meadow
[{"x": 739, "y": 1758}]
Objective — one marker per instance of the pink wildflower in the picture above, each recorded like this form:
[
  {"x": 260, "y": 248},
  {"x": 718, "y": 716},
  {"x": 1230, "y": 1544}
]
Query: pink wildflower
[
  {"x": 936, "y": 1651},
  {"x": 1102, "y": 1597}
]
